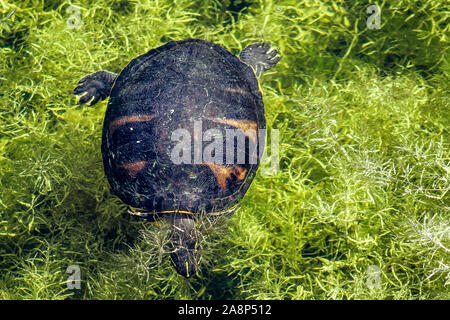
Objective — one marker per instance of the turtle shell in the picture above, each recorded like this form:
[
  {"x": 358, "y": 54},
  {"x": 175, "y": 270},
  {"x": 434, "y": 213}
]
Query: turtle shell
[{"x": 180, "y": 101}]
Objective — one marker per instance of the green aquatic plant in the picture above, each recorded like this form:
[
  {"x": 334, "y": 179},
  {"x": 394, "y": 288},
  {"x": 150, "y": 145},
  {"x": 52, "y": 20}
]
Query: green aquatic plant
[{"x": 358, "y": 208}]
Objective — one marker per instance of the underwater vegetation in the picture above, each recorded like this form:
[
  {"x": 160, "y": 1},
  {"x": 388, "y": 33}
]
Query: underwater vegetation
[{"x": 359, "y": 205}]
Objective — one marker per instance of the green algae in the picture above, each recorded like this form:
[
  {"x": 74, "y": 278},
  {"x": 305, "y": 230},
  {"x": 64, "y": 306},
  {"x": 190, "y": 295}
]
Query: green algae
[{"x": 363, "y": 179}]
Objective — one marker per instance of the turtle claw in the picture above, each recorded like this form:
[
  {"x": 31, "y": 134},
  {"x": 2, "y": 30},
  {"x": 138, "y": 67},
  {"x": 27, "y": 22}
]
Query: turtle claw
[
  {"x": 260, "y": 56},
  {"x": 90, "y": 93},
  {"x": 96, "y": 85}
]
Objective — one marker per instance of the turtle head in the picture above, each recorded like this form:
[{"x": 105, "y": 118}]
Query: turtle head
[{"x": 184, "y": 245}]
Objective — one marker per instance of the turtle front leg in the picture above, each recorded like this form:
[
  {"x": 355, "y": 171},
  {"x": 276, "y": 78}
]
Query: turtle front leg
[
  {"x": 96, "y": 85},
  {"x": 260, "y": 56}
]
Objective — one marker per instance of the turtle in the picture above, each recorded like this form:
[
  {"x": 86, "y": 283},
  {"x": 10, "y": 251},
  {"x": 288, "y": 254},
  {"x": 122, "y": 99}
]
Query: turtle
[{"x": 183, "y": 93}]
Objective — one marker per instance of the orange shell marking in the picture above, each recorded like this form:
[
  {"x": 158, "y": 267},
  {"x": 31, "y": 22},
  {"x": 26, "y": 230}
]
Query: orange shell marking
[
  {"x": 223, "y": 173},
  {"x": 238, "y": 90},
  {"x": 122, "y": 120},
  {"x": 247, "y": 126},
  {"x": 133, "y": 168}
]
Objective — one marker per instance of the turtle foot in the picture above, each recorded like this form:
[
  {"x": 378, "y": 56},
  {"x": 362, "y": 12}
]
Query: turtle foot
[
  {"x": 96, "y": 85},
  {"x": 260, "y": 56}
]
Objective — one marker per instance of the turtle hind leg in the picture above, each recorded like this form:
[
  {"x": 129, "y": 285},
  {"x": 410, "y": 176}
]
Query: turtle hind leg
[
  {"x": 184, "y": 245},
  {"x": 260, "y": 57},
  {"x": 96, "y": 85}
]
